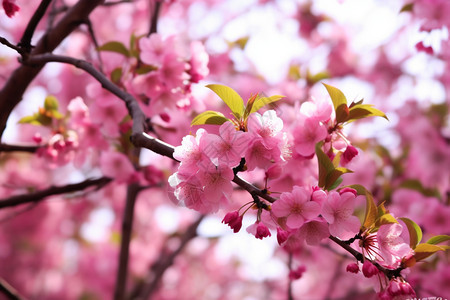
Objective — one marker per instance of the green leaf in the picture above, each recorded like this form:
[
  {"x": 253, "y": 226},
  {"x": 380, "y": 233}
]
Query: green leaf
[
  {"x": 415, "y": 233},
  {"x": 360, "y": 111},
  {"x": 386, "y": 219},
  {"x": 263, "y": 101},
  {"x": 336, "y": 184},
  {"x": 414, "y": 184},
  {"x": 423, "y": 251},
  {"x": 334, "y": 175},
  {"x": 342, "y": 113},
  {"x": 371, "y": 208},
  {"x": 230, "y": 97},
  {"x": 337, "y": 97},
  {"x": 209, "y": 117},
  {"x": 144, "y": 69},
  {"x": 325, "y": 165},
  {"x": 116, "y": 75},
  {"x": 407, "y": 7},
  {"x": 312, "y": 79},
  {"x": 438, "y": 239},
  {"x": 114, "y": 46},
  {"x": 30, "y": 120},
  {"x": 51, "y": 103}
]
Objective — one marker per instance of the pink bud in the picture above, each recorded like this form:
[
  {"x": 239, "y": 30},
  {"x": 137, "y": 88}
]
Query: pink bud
[
  {"x": 369, "y": 269},
  {"x": 348, "y": 190},
  {"x": 384, "y": 295},
  {"x": 262, "y": 231},
  {"x": 37, "y": 138},
  {"x": 349, "y": 153},
  {"x": 422, "y": 48},
  {"x": 353, "y": 268},
  {"x": 233, "y": 220},
  {"x": 406, "y": 289},
  {"x": 165, "y": 117},
  {"x": 297, "y": 274},
  {"x": 282, "y": 235}
]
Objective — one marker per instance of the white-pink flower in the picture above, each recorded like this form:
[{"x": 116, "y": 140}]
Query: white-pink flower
[
  {"x": 296, "y": 206},
  {"x": 228, "y": 147},
  {"x": 267, "y": 127},
  {"x": 190, "y": 153},
  {"x": 338, "y": 212}
]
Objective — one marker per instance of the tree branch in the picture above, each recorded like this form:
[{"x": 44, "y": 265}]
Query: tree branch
[
  {"x": 9, "y": 291},
  {"x": 51, "y": 191},
  {"x": 127, "y": 226},
  {"x": 154, "y": 19},
  {"x": 25, "y": 41},
  {"x": 145, "y": 289},
  {"x": 139, "y": 138},
  {"x": 12, "y": 92},
  {"x": 11, "y": 148}
]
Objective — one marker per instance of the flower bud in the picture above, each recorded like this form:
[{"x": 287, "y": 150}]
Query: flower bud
[
  {"x": 233, "y": 220},
  {"x": 353, "y": 268},
  {"x": 369, "y": 269}
]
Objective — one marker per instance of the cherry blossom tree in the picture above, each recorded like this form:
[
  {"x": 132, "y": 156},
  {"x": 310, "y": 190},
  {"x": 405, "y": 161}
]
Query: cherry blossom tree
[{"x": 134, "y": 133}]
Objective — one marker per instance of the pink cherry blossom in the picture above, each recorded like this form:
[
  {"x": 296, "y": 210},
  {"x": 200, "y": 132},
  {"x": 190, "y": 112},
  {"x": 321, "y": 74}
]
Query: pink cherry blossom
[
  {"x": 154, "y": 48},
  {"x": 392, "y": 246},
  {"x": 216, "y": 181},
  {"x": 314, "y": 231},
  {"x": 338, "y": 211},
  {"x": 199, "y": 62},
  {"x": 267, "y": 127},
  {"x": 307, "y": 133},
  {"x": 116, "y": 165},
  {"x": 228, "y": 147},
  {"x": 189, "y": 153},
  {"x": 79, "y": 112},
  {"x": 296, "y": 206}
]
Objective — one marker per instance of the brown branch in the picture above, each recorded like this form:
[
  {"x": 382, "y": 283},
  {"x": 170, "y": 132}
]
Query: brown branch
[
  {"x": 20, "y": 148},
  {"x": 10, "y": 45},
  {"x": 51, "y": 191},
  {"x": 127, "y": 226},
  {"x": 154, "y": 19},
  {"x": 146, "y": 288},
  {"x": 12, "y": 92},
  {"x": 25, "y": 41},
  {"x": 9, "y": 291}
]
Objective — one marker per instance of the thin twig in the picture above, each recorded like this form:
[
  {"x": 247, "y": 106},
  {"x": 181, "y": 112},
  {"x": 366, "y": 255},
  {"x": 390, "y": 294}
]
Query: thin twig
[
  {"x": 127, "y": 226},
  {"x": 51, "y": 191},
  {"x": 10, "y": 45},
  {"x": 145, "y": 289},
  {"x": 117, "y": 2},
  {"x": 94, "y": 40},
  {"x": 9, "y": 291},
  {"x": 25, "y": 41},
  {"x": 290, "y": 295}
]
